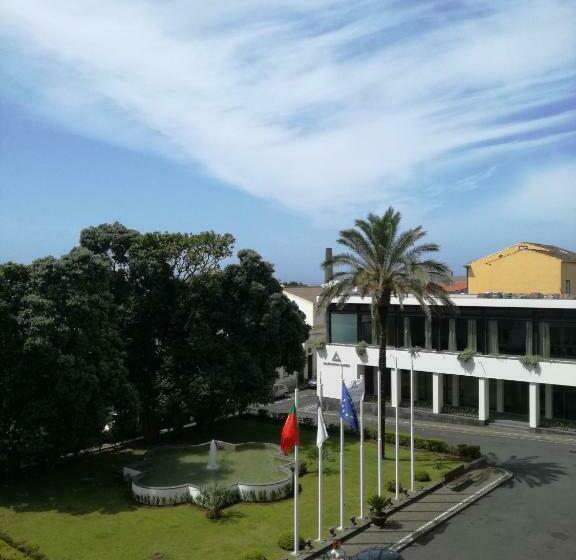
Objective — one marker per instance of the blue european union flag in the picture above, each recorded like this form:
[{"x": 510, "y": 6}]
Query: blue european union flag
[{"x": 347, "y": 410}]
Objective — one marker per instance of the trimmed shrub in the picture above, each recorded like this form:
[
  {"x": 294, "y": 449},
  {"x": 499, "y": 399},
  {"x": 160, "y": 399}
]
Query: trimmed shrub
[
  {"x": 286, "y": 541},
  {"x": 391, "y": 486},
  {"x": 302, "y": 467},
  {"x": 254, "y": 555},
  {"x": 421, "y": 476},
  {"x": 437, "y": 446},
  {"x": 468, "y": 452}
]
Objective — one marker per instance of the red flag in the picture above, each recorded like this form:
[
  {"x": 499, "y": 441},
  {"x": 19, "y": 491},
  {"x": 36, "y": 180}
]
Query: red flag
[{"x": 290, "y": 435}]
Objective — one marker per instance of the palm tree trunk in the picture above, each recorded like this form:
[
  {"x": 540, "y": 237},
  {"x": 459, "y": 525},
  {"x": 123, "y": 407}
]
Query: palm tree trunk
[{"x": 383, "y": 306}]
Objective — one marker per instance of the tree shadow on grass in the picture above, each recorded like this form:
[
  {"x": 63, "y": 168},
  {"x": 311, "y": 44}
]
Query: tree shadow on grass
[
  {"x": 86, "y": 485},
  {"x": 530, "y": 471}
]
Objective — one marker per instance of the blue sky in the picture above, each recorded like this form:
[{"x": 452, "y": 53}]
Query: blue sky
[{"x": 282, "y": 122}]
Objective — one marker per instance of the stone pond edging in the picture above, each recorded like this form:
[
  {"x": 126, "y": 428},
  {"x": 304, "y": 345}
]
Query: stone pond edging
[{"x": 184, "y": 493}]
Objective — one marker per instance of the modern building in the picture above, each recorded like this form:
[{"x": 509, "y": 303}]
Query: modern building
[
  {"x": 524, "y": 268},
  {"x": 306, "y": 298},
  {"x": 494, "y": 382}
]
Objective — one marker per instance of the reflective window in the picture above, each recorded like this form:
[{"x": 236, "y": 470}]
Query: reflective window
[
  {"x": 512, "y": 337},
  {"x": 343, "y": 328},
  {"x": 563, "y": 340}
]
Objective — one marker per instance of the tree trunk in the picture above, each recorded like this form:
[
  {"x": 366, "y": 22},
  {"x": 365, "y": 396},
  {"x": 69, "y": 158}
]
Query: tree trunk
[{"x": 383, "y": 306}]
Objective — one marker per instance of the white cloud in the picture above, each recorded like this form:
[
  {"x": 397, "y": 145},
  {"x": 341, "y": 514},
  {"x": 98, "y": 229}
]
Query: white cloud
[{"x": 313, "y": 108}]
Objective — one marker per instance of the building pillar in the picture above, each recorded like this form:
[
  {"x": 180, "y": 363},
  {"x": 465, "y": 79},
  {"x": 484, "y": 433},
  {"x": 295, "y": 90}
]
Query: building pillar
[
  {"x": 500, "y": 395},
  {"x": 455, "y": 390},
  {"x": 483, "y": 398},
  {"x": 437, "y": 392},
  {"x": 534, "y": 400},
  {"x": 395, "y": 387},
  {"x": 548, "y": 406}
]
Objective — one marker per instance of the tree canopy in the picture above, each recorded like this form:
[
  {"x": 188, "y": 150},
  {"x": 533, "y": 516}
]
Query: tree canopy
[{"x": 138, "y": 331}]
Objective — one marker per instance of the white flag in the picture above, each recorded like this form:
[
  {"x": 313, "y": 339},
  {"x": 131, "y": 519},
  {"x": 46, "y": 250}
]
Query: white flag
[
  {"x": 322, "y": 433},
  {"x": 356, "y": 390}
]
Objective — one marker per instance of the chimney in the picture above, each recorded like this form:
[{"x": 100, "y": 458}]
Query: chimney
[{"x": 329, "y": 270}]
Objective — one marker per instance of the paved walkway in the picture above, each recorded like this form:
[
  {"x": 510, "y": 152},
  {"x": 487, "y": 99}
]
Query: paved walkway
[{"x": 403, "y": 527}]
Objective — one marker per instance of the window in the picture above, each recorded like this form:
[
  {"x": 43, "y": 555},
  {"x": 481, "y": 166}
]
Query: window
[
  {"x": 418, "y": 331},
  {"x": 563, "y": 340},
  {"x": 512, "y": 337},
  {"x": 461, "y": 334},
  {"x": 343, "y": 328},
  {"x": 366, "y": 328},
  {"x": 568, "y": 287},
  {"x": 441, "y": 333}
]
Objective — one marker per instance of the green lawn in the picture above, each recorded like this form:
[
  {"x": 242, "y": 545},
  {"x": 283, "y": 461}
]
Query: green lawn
[
  {"x": 83, "y": 512},
  {"x": 172, "y": 467}
]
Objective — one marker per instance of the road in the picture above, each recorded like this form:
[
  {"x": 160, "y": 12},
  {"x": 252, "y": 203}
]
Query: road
[{"x": 531, "y": 518}]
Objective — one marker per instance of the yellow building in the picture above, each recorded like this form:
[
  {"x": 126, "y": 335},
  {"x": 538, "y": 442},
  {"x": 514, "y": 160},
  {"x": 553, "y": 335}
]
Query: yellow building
[{"x": 524, "y": 268}]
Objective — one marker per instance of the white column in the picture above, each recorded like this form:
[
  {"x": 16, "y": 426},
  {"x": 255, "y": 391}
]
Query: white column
[
  {"x": 395, "y": 387},
  {"x": 437, "y": 392},
  {"x": 534, "y": 397},
  {"x": 548, "y": 406},
  {"x": 483, "y": 398},
  {"x": 500, "y": 395},
  {"x": 455, "y": 390}
]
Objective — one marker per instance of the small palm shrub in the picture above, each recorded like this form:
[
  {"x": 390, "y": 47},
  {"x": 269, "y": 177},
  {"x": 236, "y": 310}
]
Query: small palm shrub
[
  {"x": 378, "y": 503},
  {"x": 214, "y": 498}
]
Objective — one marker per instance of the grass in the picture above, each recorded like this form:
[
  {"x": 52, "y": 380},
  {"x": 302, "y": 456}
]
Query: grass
[
  {"x": 83, "y": 511},
  {"x": 172, "y": 467}
]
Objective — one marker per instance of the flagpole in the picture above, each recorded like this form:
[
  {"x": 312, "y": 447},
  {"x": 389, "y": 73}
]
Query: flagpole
[
  {"x": 397, "y": 438},
  {"x": 341, "y": 527},
  {"x": 362, "y": 456},
  {"x": 320, "y": 472},
  {"x": 412, "y": 423},
  {"x": 296, "y": 484},
  {"x": 379, "y": 390}
]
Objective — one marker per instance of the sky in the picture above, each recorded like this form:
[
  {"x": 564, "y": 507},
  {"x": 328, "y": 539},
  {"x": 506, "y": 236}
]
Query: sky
[{"x": 282, "y": 122}]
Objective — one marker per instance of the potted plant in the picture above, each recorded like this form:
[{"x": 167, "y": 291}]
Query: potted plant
[
  {"x": 377, "y": 504},
  {"x": 361, "y": 348},
  {"x": 530, "y": 361},
  {"x": 466, "y": 355}
]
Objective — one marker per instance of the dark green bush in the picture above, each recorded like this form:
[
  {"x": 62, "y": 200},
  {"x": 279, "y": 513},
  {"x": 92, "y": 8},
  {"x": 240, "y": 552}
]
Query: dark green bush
[
  {"x": 468, "y": 452},
  {"x": 391, "y": 486},
  {"x": 421, "y": 476},
  {"x": 286, "y": 541},
  {"x": 302, "y": 467},
  {"x": 254, "y": 555},
  {"x": 437, "y": 446}
]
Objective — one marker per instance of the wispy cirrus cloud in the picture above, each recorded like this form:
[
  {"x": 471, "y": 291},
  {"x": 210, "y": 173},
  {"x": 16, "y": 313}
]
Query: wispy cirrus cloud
[{"x": 340, "y": 105}]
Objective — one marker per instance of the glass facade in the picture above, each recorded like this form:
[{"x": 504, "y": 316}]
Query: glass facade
[{"x": 522, "y": 332}]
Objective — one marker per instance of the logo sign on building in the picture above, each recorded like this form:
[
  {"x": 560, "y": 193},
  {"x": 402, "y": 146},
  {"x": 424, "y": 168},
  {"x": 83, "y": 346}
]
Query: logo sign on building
[{"x": 336, "y": 361}]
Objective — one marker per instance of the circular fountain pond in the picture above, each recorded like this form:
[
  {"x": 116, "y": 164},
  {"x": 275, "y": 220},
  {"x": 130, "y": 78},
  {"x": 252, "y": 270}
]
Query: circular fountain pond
[{"x": 176, "y": 474}]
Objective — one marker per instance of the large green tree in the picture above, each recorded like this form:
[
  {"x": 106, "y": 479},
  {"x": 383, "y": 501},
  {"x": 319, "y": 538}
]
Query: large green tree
[
  {"x": 241, "y": 328},
  {"x": 381, "y": 261},
  {"x": 66, "y": 372},
  {"x": 153, "y": 272}
]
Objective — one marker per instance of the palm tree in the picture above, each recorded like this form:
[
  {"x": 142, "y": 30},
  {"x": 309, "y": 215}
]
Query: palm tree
[{"x": 380, "y": 261}]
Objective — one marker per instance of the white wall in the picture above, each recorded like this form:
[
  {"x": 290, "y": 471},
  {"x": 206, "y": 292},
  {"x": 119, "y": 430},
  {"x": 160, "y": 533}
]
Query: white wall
[{"x": 555, "y": 372}]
